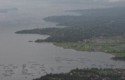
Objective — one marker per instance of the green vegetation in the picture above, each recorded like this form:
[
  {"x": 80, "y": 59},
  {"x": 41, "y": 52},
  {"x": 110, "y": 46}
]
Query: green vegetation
[
  {"x": 114, "y": 45},
  {"x": 91, "y": 24},
  {"x": 87, "y": 74},
  {"x": 94, "y": 30}
]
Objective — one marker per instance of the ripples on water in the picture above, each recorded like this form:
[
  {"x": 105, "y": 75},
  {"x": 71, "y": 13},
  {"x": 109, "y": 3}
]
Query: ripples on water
[{"x": 21, "y": 60}]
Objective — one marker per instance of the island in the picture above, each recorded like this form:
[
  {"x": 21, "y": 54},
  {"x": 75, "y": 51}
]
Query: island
[{"x": 98, "y": 30}]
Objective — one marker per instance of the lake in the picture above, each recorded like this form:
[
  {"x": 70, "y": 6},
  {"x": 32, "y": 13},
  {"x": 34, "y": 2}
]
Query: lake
[{"x": 23, "y": 60}]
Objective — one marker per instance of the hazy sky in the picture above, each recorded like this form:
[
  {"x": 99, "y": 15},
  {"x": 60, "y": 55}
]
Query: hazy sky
[
  {"x": 58, "y": 4},
  {"x": 93, "y": 3},
  {"x": 89, "y": 3}
]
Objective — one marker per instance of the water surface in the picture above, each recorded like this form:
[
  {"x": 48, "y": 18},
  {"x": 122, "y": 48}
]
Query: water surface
[{"x": 20, "y": 59}]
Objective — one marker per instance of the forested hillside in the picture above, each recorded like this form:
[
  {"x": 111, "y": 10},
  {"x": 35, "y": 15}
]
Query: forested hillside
[
  {"x": 95, "y": 30},
  {"x": 94, "y": 23}
]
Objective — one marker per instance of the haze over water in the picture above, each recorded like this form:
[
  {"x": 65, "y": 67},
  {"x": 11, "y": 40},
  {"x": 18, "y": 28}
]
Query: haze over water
[{"x": 17, "y": 54}]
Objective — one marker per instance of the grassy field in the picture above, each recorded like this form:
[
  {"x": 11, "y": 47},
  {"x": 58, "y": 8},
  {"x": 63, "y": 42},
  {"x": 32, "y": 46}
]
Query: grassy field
[{"x": 115, "y": 46}]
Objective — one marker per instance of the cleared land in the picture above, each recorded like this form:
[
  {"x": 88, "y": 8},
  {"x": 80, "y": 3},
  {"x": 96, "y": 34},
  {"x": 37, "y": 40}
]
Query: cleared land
[{"x": 94, "y": 30}]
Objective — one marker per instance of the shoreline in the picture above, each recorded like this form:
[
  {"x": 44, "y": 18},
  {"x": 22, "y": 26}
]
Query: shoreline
[
  {"x": 87, "y": 32},
  {"x": 111, "y": 45},
  {"x": 87, "y": 74},
  {"x": 90, "y": 48}
]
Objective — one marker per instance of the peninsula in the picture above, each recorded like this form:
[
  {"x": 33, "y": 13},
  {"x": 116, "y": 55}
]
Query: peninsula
[{"x": 94, "y": 30}]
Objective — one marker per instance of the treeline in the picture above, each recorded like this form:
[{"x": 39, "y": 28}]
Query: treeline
[
  {"x": 87, "y": 74},
  {"x": 91, "y": 24}
]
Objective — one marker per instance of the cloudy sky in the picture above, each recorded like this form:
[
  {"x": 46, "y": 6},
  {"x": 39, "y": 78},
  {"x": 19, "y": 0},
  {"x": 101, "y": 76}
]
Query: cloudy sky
[
  {"x": 90, "y": 3},
  {"x": 63, "y": 4}
]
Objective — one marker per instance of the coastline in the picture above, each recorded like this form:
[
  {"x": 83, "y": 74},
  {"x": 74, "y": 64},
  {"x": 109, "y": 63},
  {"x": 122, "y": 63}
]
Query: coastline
[{"x": 87, "y": 74}]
